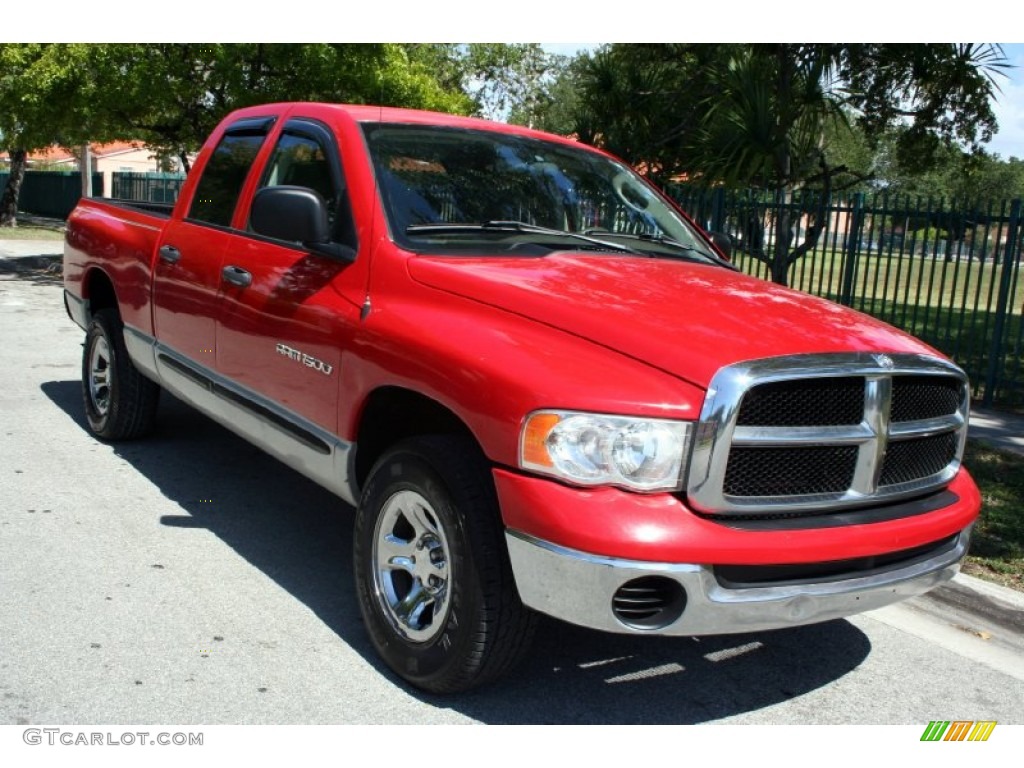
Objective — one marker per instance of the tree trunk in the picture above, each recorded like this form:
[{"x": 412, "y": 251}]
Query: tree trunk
[
  {"x": 85, "y": 169},
  {"x": 783, "y": 237},
  {"x": 783, "y": 171},
  {"x": 9, "y": 201},
  {"x": 185, "y": 164}
]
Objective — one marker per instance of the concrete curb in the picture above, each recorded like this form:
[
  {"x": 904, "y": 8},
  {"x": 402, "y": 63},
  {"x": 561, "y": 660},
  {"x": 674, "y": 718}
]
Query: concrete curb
[{"x": 1013, "y": 598}]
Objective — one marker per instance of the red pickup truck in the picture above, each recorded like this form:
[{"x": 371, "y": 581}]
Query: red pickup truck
[{"x": 541, "y": 385}]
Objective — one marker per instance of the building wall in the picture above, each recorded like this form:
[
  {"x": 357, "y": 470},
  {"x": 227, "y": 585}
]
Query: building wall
[{"x": 135, "y": 161}]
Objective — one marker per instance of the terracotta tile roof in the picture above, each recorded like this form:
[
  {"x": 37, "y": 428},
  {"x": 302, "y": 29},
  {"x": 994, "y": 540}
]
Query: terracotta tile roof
[{"x": 61, "y": 155}]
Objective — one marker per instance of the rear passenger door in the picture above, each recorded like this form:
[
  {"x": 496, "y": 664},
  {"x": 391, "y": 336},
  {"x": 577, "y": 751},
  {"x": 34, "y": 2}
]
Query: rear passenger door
[
  {"x": 282, "y": 334},
  {"x": 187, "y": 275}
]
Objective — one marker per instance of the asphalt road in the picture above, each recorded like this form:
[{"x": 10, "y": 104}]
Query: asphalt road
[{"x": 190, "y": 578}]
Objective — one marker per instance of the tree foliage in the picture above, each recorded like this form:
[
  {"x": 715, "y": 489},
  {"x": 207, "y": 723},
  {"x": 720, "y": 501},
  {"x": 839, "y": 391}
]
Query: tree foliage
[
  {"x": 504, "y": 80},
  {"x": 43, "y": 101},
  {"x": 170, "y": 96},
  {"x": 764, "y": 114},
  {"x": 202, "y": 82}
]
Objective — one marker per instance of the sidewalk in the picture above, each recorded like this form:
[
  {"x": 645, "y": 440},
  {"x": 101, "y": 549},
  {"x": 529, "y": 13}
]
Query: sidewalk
[
  {"x": 32, "y": 258},
  {"x": 16, "y": 249},
  {"x": 999, "y": 429}
]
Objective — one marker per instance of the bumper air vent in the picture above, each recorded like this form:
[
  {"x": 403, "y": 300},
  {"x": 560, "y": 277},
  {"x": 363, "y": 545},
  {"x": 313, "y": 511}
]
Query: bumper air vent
[{"x": 650, "y": 602}]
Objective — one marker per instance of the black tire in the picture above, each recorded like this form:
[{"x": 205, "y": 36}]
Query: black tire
[
  {"x": 453, "y": 620},
  {"x": 120, "y": 403}
]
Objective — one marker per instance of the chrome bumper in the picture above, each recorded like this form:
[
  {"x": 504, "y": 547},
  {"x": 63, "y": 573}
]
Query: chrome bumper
[{"x": 578, "y": 587}]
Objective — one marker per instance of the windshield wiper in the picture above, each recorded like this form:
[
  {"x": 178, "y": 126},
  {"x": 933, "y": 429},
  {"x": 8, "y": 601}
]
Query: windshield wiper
[
  {"x": 662, "y": 240},
  {"x": 441, "y": 228}
]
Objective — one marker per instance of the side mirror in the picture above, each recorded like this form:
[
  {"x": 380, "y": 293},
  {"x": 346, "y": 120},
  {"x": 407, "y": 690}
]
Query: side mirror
[
  {"x": 295, "y": 214},
  {"x": 723, "y": 242},
  {"x": 298, "y": 215}
]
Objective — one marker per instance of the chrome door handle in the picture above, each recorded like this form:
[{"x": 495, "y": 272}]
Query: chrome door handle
[
  {"x": 236, "y": 276},
  {"x": 170, "y": 254}
]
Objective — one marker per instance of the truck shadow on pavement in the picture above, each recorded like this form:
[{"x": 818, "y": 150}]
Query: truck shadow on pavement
[{"x": 300, "y": 535}]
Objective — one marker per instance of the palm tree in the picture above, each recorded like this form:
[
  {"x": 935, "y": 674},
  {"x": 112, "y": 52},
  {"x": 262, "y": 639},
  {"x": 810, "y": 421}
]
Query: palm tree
[{"x": 765, "y": 121}]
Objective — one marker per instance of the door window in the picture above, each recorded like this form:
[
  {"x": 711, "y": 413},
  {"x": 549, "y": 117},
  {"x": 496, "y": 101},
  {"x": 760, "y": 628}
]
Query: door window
[
  {"x": 300, "y": 160},
  {"x": 223, "y": 177}
]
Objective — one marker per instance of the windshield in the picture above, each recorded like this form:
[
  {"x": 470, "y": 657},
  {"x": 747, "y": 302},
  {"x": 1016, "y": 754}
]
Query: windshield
[{"x": 454, "y": 189}]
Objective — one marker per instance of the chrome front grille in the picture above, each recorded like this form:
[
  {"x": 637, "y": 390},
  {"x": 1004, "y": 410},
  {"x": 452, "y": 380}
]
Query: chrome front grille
[{"x": 818, "y": 432}]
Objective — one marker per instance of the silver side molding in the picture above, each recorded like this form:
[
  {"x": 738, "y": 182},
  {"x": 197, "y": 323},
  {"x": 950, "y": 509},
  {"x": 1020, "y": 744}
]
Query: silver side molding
[{"x": 304, "y": 446}]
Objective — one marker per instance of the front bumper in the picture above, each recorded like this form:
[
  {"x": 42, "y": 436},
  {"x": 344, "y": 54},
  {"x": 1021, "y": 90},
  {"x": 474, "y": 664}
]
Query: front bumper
[
  {"x": 574, "y": 550},
  {"x": 584, "y": 589}
]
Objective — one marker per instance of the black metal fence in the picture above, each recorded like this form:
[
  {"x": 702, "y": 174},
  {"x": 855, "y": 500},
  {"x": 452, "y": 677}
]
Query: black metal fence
[
  {"x": 949, "y": 274},
  {"x": 146, "y": 187}
]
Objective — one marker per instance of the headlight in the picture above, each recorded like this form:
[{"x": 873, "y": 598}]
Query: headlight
[{"x": 593, "y": 449}]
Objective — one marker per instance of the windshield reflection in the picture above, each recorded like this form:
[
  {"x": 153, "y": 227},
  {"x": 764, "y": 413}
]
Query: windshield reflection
[{"x": 436, "y": 175}]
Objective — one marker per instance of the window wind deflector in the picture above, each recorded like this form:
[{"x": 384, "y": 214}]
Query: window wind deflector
[
  {"x": 443, "y": 228},
  {"x": 251, "y": 125}
]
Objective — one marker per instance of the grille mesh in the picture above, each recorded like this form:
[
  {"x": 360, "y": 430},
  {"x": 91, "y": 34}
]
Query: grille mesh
[
  {"x": 924, "y": 397},
  {"x": 809, "y": 403},
  {"x": 789, "y": 471},
  {"x": 909, "y": 460}
]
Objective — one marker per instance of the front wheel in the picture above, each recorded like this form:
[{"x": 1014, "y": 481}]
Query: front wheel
[
  {"x": 120, "y": 403},
  {"x": 434, "y": 582}
]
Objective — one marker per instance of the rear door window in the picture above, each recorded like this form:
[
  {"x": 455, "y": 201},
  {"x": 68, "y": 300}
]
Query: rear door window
[{"x": 225, "y": 173}]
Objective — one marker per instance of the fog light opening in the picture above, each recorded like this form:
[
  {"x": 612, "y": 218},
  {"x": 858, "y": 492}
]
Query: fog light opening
[{"x": 650, "y": 602}]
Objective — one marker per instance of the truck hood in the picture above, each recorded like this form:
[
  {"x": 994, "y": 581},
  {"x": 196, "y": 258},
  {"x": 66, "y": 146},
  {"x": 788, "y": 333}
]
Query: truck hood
[{"x": 684, "y": 318}]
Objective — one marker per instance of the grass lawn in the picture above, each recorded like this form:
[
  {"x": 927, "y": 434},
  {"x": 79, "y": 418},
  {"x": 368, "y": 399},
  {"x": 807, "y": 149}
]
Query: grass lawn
[
  {"x": 997, "y": 547},
  {"x": 29, "y": 232}
]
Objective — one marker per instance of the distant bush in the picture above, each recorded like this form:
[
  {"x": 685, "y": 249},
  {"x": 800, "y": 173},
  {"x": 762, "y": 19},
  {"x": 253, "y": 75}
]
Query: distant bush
[{"x": 929, "y": 234}]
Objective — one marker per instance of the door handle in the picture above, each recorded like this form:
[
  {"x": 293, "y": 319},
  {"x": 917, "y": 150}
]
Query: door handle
[
  {"x": 236, "y": 276},
  {"x": 170, "y": 254}
]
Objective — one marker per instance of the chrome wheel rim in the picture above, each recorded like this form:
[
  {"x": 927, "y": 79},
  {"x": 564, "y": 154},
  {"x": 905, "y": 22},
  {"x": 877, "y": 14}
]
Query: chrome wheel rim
[
  {"x": 411, "y": 569},
  {"x": 100, "y": 375}
]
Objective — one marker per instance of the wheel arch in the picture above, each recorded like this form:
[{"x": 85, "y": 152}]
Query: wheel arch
[
  {"x": 98, "y": 292},
  {"x": 391, "y": 414}
]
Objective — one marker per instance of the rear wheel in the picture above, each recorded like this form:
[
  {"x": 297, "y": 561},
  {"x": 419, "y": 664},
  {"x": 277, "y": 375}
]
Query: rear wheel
[
  {"x": 120, "y": 403},
  {"x": 435, "y": 586}
]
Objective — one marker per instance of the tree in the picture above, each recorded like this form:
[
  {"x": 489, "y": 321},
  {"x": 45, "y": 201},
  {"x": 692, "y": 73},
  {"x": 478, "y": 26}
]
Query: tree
[
  {"x": 556, "y": 103},
  {"x": 171, "y": 96},
  {"x": 956, "y": 175},
  {"x": 641, "y": 102},
  {"x": 504, "y": 80},
  {"x": 43, "y": 101},
  {"x": 762, "y": 114},
  {"x": 200, "y": 83}
]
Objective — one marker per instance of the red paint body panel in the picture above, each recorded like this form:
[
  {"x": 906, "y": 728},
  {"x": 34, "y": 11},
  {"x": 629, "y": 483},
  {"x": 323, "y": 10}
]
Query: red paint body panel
[
  {"x": 687, "y": 319},
  {"x": 660, "y": 528},
  {"x": 121, "y": 243},
  {"x": 490, "y": 339},
  {"x": 293, "y": 300},
  {"x": 492, "y": 367},
  {"x": 185, "y": 294}
]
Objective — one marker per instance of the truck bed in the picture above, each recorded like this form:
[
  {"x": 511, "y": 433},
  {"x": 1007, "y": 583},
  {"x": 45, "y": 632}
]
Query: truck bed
[{"x": 119, "y": 238}]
